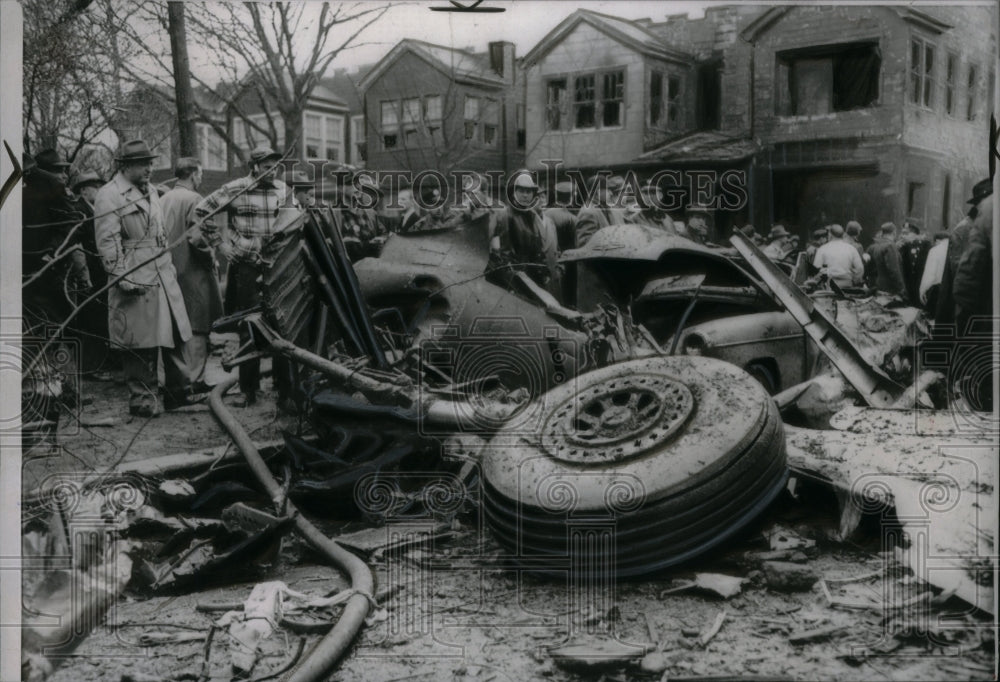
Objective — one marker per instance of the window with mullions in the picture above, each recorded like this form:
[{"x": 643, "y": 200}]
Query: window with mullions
[
  {"x": 389, "y": 118},
  {"x": 555, "y": 105},
  {"x": 584, "y": 101},
  {"x": 922, "y": 73},
  {"x": 612, "y": 99}
]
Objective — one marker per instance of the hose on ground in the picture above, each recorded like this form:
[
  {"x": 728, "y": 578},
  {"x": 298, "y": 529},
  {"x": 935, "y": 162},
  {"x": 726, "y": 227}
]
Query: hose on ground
[{"x": 329, "y": 650}]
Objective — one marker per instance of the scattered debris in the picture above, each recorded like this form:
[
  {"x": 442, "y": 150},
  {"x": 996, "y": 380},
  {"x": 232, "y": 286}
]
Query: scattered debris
[
  {"x": 785, "y": 576},
  {"x": 597, "y": 655},
  {"x": 725, "y": 586},
  {"x": 816, "y": 634},
  {"x": 713, "y": 630}
]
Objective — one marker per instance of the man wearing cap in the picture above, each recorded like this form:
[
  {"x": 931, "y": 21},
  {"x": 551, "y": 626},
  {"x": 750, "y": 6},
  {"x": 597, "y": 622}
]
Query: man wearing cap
[
  {"x": 523, "y": 239},
  {"x": 197, "y": 273},
  {"x": 839, "y": 261},
  {"x": 885, "y": 265},
  {"x": 600, "y": 213},
  {"x": 146, "y": 313},
  {"x": 251, "y": 203},
  {"x": 303, "y": 191},
  {"x": 697, "y": 226},
  {"x": 852, "y": 236}
]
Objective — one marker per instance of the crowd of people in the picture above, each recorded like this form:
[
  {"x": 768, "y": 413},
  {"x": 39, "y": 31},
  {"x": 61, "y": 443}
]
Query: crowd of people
[{"x": 144, "y": 260}]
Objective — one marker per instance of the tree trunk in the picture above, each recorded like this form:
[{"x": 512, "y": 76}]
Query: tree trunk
[{"x": 184, "y": 95}]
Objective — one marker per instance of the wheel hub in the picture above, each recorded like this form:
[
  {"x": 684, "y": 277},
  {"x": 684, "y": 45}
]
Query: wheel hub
[{"x": 617, "y": 419}]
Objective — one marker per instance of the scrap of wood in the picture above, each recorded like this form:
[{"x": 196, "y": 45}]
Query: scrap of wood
[
  {"x": 654, "y": 635},
  {"x": 803, "y": 636},
  {"x": 714, "y": 630}
]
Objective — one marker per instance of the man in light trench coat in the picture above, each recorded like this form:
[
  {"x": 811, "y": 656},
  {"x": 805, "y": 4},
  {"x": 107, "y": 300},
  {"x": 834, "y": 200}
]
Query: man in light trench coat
[{"x": 146, "y": 310}]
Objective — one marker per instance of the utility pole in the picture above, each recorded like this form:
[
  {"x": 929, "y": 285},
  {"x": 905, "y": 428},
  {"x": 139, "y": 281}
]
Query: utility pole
[{"x": 183, "y": 94}]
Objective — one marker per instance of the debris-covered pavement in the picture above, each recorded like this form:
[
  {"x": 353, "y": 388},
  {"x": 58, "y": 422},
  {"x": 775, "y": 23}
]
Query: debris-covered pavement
[{"x": 640, "y": 517}]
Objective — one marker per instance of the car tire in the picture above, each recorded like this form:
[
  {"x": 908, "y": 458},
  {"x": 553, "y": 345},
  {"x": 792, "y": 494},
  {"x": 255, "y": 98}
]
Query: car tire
[
  {"x": 691, "y": 489},
  {"x": 764, "y": 373}
]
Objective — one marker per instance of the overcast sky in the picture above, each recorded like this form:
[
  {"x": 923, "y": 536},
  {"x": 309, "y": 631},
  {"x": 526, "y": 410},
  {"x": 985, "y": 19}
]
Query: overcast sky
[{"x": 524, "y": 23}]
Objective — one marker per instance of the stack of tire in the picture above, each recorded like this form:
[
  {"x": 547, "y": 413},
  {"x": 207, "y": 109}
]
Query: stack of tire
[{"x": 635, "y": 467}]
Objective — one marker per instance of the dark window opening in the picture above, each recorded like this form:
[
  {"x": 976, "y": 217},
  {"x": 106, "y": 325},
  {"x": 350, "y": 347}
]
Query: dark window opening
[
  {"x": 950, "y": 77},
  {"x": 389, "y": 141},
  {"x": 829, "y": 79},
  {"x": 915, "y": 200},
  {"x": 555, "y": 104},
  {"x": 655, "y": 97},
  {"x": 613, "y": 98},
  {"x": 673, "y": 101},
  {"x": 585, "y": 104},
  {"x": 489, "y": 134},
  {"x": 709, "y": 107},
  {"x": 922, "y": 73},
  {"x": 971, "y": 92}
]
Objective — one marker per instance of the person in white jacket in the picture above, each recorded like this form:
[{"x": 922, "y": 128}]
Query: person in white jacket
[{"x": 930, "y": 281}]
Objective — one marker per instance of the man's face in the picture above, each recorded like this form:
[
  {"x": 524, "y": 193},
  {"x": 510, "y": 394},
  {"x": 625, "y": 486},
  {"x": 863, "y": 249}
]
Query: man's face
[
  {"x": 306, "y": 196},
  {"x": 89, "y": 193},
  {"x": 523, "y": 196},
  {"x": 267, "y": 169},
  {"x": 405, "y": 199},
  {"x": 138, "y": 172},
  {"x": 63, "y": 175},
  {"x": 698, "y": 224}
]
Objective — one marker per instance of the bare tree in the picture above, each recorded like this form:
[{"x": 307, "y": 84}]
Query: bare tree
[{"x": 270, "y": 56}]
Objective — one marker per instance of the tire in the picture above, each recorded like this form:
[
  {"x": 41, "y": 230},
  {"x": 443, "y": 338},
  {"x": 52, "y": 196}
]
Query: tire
[
  {"x": 692, "y": 488},
  {"x": 765, "y": 374}
]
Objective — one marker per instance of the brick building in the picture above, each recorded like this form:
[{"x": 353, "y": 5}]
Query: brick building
[
  {"x": 834, "y": 113},
  {"x": 870, "y": 113},
  {"x": 434, "y": 107}
]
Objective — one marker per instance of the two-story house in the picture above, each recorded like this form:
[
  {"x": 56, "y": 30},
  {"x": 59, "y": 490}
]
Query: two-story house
[
  {"x": 432, "y": 107},
  {"x": 871, "y": 113},
  {"x": 602, "y": 90}
]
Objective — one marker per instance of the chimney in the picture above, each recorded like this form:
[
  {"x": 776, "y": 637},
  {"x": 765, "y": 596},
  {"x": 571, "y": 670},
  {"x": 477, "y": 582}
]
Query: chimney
[{"x": 502, "y": 58}]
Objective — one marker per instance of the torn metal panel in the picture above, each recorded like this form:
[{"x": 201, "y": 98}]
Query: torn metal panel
[
  {"x": 941, "y": 489},
  {"x": 875, "y": 387}
]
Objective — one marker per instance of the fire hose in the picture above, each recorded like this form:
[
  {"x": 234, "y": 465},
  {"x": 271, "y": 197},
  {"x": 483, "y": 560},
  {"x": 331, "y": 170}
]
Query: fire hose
[{"x": 329, "y": 650}]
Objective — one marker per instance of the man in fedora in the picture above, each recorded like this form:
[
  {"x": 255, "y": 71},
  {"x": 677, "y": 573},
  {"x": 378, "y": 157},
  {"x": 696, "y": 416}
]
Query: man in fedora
[
  {"x": 146, "y": 313},
  {"x": 197, "y": 273},
  {"x": 252, "y": 212},
  {"x": 777, "y": 243}
]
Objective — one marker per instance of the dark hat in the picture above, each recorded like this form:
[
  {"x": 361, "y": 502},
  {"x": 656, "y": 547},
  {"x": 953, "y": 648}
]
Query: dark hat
[
  {"x": 135, "y": 150},
  {"x": 650, "y": 186},
  {"x": 980, "y": 190},
  {"x": 698, "y": 209},
  {"x": 820, "y": 233},
  {"x": 263, "y": 153},
  {"x": 85, "y": 179},
  {"x": 299, "y": 180},
  {"x": 49, "y": 159},
  {"x": 564, "y": 188},
  {"x": 615, "y": 183}
]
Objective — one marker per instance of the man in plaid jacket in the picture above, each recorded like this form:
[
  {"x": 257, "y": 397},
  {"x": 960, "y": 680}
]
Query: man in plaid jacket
[{"x": 253, "y": 218}]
